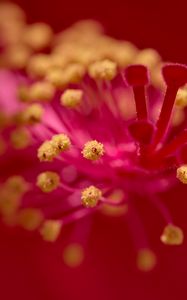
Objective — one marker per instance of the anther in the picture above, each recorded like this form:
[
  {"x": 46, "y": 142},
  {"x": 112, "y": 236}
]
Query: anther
[
  {"x": 30, "y": 218},
  {"x": 73, "y": 255},
  {"x": 50, "y": 230},
  {"x": 71, "y": 98},
  {"x": 146, "y": 260},
  {"x": 32, "y": 114},
  {"x": 41, "y": 91},
  {"x": 172, "y": 235},
  {"x": 181, "y": 98},
  {"x": 103, "y": 70},
  {"x": 93, "y": 150},
  {"x": 47, "y": 152},
  {"x": 60, "y": 142},
  {"x": 48, "y": 181},
  {"x": 90, "y": 196},
  {"x": 182, "y": 174},
  {"x": 20, "y": 138}
]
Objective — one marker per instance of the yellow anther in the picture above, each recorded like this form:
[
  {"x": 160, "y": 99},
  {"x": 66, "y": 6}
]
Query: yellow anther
[
  {"x": 61, "y": 142},
  {"x": 30, "y": 218},
  {"x": 73, "y": 255},
  {"x": 74, "y": 72},
  {"x": 9, "y": 202},
  {"x": 41, "y": 91},
  {"x": 39, "y": 65},
  {"x": 93, "y": 150},
  {"x": 38, "y": 35},
  {"x": 50, "y": 230},
  {"x": 10, "y": 11},
  {"x": 181, "y": 98},
  {"x": 103, "y": 70},
  {"x": 182, "y": 174},
  {"x": 48, "y": 181},
  {"x": 58, "y": 61},
  {"x": 23, "y": 93},
  {"x": 57, "y": 77},
  {"x": 46, "y": 152},
  {"x": 17, "y": 56},
  {"x": 146, "y": 260},
  {"x": 148, "y": 57},
  {"x": 172, "y": 235},
  {"x": 20, "y": 138},
  {"x": 2, "y": 146},
  {"x": 16, "y": 185},
  {"x": 90, "y": 196},
  {"x": 178, "y": 116},
  {"x": 71, "y": 98},
  {"x": 32, "y": 114}
]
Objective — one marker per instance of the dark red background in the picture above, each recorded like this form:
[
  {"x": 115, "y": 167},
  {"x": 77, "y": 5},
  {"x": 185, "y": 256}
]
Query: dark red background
[{"x": 33, "y": 270}]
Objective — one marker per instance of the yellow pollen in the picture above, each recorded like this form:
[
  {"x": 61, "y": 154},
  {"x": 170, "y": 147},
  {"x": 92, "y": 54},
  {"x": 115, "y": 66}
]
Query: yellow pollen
[
  {"x": 48, "y": 181},
  {"x": 17, "y": 56},
  {"x": 178, "y": 116},
  {"x": 74, "y": 72},
  {"x": 50, "y": 230},
  {"x": 41, "y": 91},
  {"x": 30, "y": 218},
  {"x": 148, "y": 57},
  {"x": 172, "y": 235},
  {"x": 32, "y": 114},
  {"x": 103, "y": 70},
  {"x": 146, "y": 260},
  {"x": 37, "y": 36},
  {"x": 61, "y": 142},
  {"x": 23, "y": 93},
  {"x": 46, "y": 152},
  {"x": 20, "y": 138},
  {"x": 16, "y": 185},
  {"x": 73, "y": 255},
  {"x": 39, "y": 65},
  {"x": 9, "y": 202},
  {"x": 182, "y": 174},
  {"x": 71, "y": 98},
  {"x": 181, "y": 98},
  {"x": 57, "y": 77},
  {"x": 115, "y": 210},
  {"x": 93, "y": 150},
  {"x": 90, "y": 196}
]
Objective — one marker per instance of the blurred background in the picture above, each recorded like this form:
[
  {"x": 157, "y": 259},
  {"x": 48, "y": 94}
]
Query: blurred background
[{"x": 159, "y": 24}]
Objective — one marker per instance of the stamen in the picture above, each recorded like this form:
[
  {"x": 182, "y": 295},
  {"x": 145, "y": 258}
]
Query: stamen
[
  {"x": 148, "y": 57},
  {"x": 57, "y": 77},
  {"x": 47, "y": 152},
  {"x": 20, "y": 138},
  {"x": 90, "y": 196},
  {"x": 32, "y": 114},
  {"x": 39, "y": 65},
  {"x": 23, "y": 93},
  {"x": 181, "y": 98},
  {"x": 30, "y": 218},
  {"x": 71, "y": 98},
  {"x": 146, "y": 260},
  {"x": 137, "y": 77},
  {"x": 175, "y": 76},
  {"x": 182, "y": 174},
  {"x": 41, "y": 91},
  {"x": 16, "y": 185},
  {"x": 172, "y": 235},
  {"x": 93, "y": 150},
  {"x": 73, "y": 255},
  {"x": 74, "y": 72},
  {"x": 37, "y": 36},
  {"x": 17, "y": 56},
  {"x": 48, "y": 181},
  {"x": 103, "y": 70},
  {"x": 50, "y": 230},
  {"x": 61, "y": 142},
  {"x": 9, "y": 202}
]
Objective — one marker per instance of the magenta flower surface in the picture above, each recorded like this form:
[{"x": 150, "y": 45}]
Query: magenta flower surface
[{"x": 88, "y": 124}]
